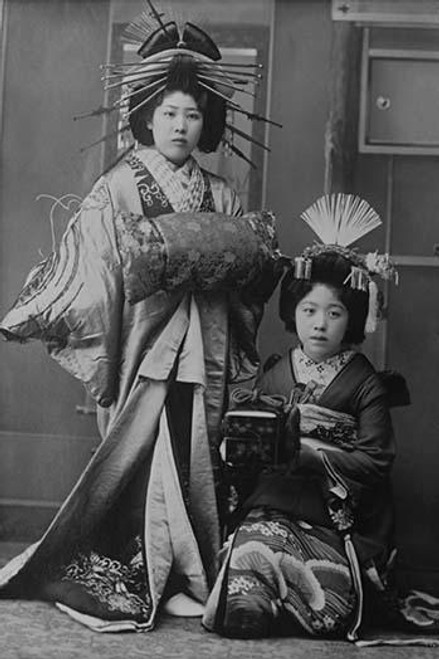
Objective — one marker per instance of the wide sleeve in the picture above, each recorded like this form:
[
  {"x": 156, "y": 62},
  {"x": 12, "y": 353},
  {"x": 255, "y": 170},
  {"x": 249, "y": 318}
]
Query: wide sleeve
[
  {"x": 360, "y": 393},
  {"x": 72, "y": 301},
  {"x": 374, "y": 450},
  {"x": 364, "y": 470}
]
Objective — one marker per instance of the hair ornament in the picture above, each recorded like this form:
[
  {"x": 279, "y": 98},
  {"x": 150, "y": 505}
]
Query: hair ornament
[
  {"x": 382, "y": 265},
  {"x": 357, "y": 279},
  {"x": 340, "y": 220},
  {"x": 374, "y": 309},
  {"x": 169, "y": 48},
  {"x": 302, "y": 267}
]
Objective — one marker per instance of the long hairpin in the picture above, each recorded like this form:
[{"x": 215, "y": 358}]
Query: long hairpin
[
  {"x": 238, "y": 152},
  {"x": 247, "y": 137},
  {"x": 222, "y": 83},
  {"x": 145, "y": 101},
  {"x": 119, "y": 131},
  {"x": 158, "y": 41},
  {"x": 133, "y": 81}
]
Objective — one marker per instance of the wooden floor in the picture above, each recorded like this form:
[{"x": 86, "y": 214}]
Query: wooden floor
[{"x": 37, "y": 630}]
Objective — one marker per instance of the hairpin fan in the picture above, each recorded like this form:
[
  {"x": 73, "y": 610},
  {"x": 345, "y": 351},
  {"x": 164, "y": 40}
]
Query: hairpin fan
[{"x": 341, "y": 219}]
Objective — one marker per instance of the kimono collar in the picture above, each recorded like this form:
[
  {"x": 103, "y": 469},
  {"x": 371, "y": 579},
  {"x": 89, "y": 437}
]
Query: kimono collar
[
  {"x": 183, "y": 186},
  {"x": 322, "y": 373}
]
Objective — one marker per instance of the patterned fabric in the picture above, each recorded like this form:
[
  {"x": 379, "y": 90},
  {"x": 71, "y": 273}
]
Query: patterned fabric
[
  {"x": 183, "y": 186},
  {"x": 282, "y": 578},
  {"x": 58, "y": 283},
  {"x": 324, "y": 499},
  {"x": 322, "y": 373},
  {"x": 153, "y": 199},
  {"x": 118, "y": 588},
  {"x": 329, "y": 426},
  {"x": 197, "y": 251},
  {"x": 127, "y": 356},
  {"x": 360, "y": 516},
  {"x": 193, "y": 248}
]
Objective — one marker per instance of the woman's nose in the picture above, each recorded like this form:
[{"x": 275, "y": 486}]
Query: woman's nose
[
  {"x": 319, "y": 320},
  {"x": 180, "y": 123}
]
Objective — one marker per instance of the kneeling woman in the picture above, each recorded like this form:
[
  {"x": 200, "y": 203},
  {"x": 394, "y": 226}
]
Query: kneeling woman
[{"x": 314, "y": 525}]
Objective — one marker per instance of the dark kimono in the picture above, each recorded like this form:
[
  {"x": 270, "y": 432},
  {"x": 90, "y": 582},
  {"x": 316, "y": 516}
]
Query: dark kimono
[{"x": 296, "y": 562}]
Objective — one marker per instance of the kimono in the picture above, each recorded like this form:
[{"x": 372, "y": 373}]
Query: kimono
[
  {"x": 142, "y": 521},
  {"x": 296, "y": 560}
]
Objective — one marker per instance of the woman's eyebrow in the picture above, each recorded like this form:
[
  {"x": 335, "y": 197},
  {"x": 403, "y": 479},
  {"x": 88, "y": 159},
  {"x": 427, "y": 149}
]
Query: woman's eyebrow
[{"x": 177, "y": 107}]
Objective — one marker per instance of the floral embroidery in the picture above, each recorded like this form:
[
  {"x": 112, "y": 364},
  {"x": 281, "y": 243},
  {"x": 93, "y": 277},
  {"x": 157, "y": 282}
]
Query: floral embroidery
[
  {"x": 266, "y": 528},
  {"x": 241, "y": 585},
  {"x": 305, "y": 578},
  {"x": 325, "y": 624},
  {"x": 322, "y": 373},
  {"x": 341, "y": 514},
  {"x": 118, "y": 586},
  {"x": 171, "y": 251},
  {"x": 340, "y": 434}
]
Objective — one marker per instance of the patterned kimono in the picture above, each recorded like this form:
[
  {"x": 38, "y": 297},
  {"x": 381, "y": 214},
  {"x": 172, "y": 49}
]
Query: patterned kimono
[
  {"x": 142, "y": 520},
  {"x": 294, "y": 563}
]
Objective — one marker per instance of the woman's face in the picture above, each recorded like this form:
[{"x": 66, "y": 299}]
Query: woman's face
[
  {"x": 176, "y": 126},
  {"x": 321, "y": 322}
]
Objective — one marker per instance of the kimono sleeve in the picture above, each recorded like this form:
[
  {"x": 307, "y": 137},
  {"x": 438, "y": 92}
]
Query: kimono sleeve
[
  {"x": 374, "y": 450},
  {"x": 72, "y": 301}
]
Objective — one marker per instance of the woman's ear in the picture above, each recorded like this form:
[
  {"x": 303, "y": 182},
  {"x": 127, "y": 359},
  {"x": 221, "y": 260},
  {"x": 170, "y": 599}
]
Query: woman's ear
[{"x": 149, "y": 124}]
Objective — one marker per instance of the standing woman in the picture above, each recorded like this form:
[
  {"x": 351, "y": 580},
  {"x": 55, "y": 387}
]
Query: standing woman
[{"x": 141, "y": 527}]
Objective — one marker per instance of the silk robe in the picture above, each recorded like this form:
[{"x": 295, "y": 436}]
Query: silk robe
[{"x": 128, "y": 356}]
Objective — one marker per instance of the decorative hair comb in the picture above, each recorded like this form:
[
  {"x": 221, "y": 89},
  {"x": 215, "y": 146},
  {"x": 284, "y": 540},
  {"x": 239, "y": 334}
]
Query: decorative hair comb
[
  {"x": 159, "y": 43},
  {"x": 340, "y": 220}
]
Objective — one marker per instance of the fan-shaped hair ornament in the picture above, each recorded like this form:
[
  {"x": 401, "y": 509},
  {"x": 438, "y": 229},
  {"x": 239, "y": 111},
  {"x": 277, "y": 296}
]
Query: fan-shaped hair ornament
[{"x": 341, "y": 219}]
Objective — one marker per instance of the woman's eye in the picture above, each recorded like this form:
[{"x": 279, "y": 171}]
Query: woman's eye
[{"x": 194, "y": 116}]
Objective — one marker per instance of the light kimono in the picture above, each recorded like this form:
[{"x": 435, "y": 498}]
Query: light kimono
[{"x": 143, "y": 516}]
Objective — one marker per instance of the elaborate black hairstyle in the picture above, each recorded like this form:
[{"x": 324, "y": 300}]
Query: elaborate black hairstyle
[
  {"x": 331, "y": 269},
  {"x": 182, "y": 77},
  {"x": 178, "y": 57},
  {"x": 339, "y": 220}
]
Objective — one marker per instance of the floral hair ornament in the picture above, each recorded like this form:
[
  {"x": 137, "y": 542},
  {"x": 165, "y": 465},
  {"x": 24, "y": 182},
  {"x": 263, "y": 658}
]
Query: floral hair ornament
[
  {"x": 172, "y": 48},
  {"x": 340, "y": 220}
]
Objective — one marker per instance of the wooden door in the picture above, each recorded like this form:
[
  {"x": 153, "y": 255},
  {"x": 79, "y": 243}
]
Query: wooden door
[{"x": 399, "y": 179}]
